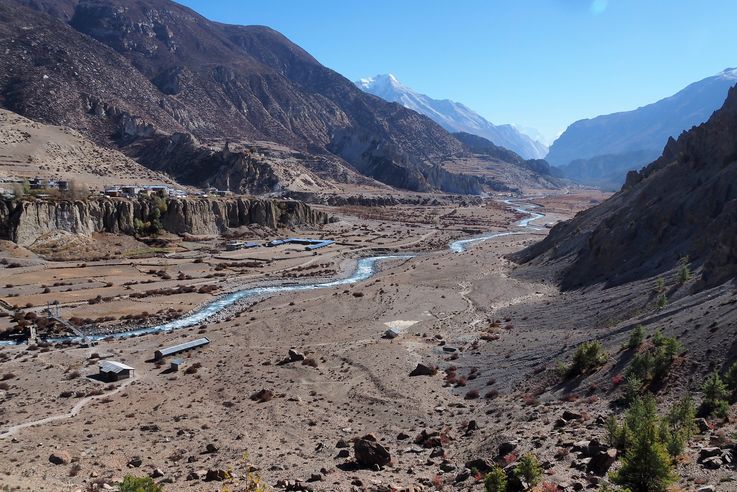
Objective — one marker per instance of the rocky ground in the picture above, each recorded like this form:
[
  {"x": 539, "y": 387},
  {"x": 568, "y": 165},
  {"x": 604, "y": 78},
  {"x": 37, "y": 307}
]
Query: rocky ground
[{"x": 306, "y": 392}]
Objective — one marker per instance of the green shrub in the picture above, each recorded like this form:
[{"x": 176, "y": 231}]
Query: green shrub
[
  {"x": 684, "y": 274},
  {"x": 646, "y": 464},
  {"x": 730, "y": 378},
  {"x": 660, "y": 284},
  {"x": 637, "y": 336},
  {"x": 139, "y": 484},
  {"x": 661, "y": 302},
  {"x": 588, "y": 356},
  {"x": 715, "y": 396},
  {"x": 495, "y": 480},
  {"x": 654, "y": 364},
  {"x": 678, "y": 425},
  {"x": 528, "y": 469}
]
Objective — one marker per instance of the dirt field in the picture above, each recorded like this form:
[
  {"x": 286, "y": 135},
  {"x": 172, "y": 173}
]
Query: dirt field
[{"x": 455, "y": 310}]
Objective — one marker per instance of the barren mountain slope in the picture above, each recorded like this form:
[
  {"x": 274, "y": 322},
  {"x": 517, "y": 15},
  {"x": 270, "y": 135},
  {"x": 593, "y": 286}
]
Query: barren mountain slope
[
  {"x": 29, "y": 149},
  {"x": 682, "y": 207},
  {"x": 135, "y": 74}
]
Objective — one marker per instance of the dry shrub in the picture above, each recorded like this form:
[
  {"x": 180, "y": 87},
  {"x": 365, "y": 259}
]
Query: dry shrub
[
  {"x": 472, "y": 394},
  {"x": 491, "y": 394}
]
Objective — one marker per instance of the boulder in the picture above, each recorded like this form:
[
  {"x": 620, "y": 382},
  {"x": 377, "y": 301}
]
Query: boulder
[
  {"x": 507, "y": 447},
  {"x": 568, "y": 416},
  {"x": 710, "y": 452},
  {"x": 211, "y": 448},
  {"x": 370, "y": 453},
  {"x": 481, "y": 465},
  {"x": 295, "y": 356},
  {"x": 216, "y": 475},
  {"x": 437, "y": 452},
  {"x": 262, "y": 396},
  {"x": 713, "y": 463},
  {"x": 135, "y": 462},
  {"x": 464, "y": 475},
  {"x": 424, "y": 370},
  {"x": 156, "y": 473},
  {"x": 196, "y": 474},
  {"x": 428, "y": 439},
  {"x": 60, "y": 458},
  {"x": 601, "y": 461},
  {"x": 343, "y": 453}
]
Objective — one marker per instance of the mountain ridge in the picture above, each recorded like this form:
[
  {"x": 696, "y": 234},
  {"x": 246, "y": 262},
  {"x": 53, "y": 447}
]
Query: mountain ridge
[
  {"x": 154, "y": 74},
  {"x": 628, "y": 140},
  {"x": 453, "y": 116},
  {"x": 680, "y": 209}
]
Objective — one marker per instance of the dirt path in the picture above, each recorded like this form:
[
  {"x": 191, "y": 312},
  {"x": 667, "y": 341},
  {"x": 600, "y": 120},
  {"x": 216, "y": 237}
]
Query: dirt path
[{"x": 73, "y": 413}]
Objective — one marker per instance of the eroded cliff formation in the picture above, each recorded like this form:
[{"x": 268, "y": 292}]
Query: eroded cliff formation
[{"x": 23, "y": 221}]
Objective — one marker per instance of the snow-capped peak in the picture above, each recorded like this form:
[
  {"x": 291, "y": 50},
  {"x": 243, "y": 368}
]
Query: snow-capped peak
[
  {"x": 380, "y": 81},
  {"x": 729, "y": 73},
  {"x": 453, "y": 116}
]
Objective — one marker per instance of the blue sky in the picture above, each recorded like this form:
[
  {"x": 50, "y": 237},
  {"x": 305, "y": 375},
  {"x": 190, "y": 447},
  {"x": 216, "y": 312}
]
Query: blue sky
[{"x": 538, "y": 63}]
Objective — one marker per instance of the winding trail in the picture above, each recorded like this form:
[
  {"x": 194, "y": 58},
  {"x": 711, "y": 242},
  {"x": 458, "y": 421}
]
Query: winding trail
[{"x": 72, "y": 413}]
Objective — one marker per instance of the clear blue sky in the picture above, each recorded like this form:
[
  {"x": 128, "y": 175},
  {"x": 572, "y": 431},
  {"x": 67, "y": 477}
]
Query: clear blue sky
[{"x": 539, "y": 63}]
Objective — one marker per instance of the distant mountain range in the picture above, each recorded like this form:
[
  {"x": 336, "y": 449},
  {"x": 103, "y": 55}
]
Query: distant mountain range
[
  {"x": 453, "y": 116},
  {"x": 600, "y": 151}
]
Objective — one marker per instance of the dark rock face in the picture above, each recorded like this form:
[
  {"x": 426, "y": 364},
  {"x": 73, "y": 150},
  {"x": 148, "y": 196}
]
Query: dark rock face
[
  {"x": 24, "y": 221},
  {"x": 155, "y": 78},
  {"x": 370, "y": 453},
  {"x": 684, "y": 204}
]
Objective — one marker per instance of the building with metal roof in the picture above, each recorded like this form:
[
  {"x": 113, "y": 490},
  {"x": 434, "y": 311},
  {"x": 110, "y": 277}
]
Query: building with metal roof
[
  {"x": 182, "y": 347},
  {"x": 114, "y": 371}
]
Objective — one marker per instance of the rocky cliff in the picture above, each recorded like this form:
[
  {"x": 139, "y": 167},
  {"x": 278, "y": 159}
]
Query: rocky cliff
[
  {"x": 682, "y": 207},
  {"x": 25, "y": 220}
]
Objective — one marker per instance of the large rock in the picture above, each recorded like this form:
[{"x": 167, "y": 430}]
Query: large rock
[
  {"x": 601, "y": 461},
  {"x": 424, "y": 370},
  {"x": 481, "y": 465},
  {"x": 370, "y": 453},
  {"x": 216, "y": 475},
  {"x": 60, "y": 458}
]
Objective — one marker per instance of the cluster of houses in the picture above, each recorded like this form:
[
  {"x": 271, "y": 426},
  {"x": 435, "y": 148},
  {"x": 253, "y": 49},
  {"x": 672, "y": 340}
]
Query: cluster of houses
[
  {"x": 132, "y": 191},
  {"x": 36, "y": 184},
  {"x": 310, "y": 244},
  {"x": 111, "y": 371},
  {"x": 126, "y": 191}
]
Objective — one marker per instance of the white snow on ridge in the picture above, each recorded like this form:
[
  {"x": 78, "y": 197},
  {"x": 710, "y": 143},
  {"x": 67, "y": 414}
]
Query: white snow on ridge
[{"x": 452, "y": 116}]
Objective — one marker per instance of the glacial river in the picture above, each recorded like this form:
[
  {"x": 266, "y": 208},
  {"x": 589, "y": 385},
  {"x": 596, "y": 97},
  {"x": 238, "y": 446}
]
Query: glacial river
[{"x": 365, "y": 269}]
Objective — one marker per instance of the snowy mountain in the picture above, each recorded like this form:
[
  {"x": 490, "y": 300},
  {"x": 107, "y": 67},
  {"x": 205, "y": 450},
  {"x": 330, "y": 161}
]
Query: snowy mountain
[
  {"x": 600, "y": 151},
  {"x": 453, "y": 116}
]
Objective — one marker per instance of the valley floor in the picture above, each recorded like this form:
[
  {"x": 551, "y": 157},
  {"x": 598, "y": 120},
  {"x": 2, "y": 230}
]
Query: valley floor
[{"x": 471, "y": 310}]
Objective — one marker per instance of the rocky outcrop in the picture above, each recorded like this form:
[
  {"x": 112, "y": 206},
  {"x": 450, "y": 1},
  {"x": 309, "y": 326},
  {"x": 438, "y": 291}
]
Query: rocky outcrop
[{"x": 25, "y": 220}]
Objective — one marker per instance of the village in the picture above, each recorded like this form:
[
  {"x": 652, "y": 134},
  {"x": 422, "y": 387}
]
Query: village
[{"x": 42, "y": 187}]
